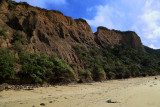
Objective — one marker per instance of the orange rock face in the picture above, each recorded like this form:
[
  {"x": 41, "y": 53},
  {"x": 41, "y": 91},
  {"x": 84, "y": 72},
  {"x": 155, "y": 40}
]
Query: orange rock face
[
  {"x": 106, "y": 37},
  {"x": 53, "y": 33}
]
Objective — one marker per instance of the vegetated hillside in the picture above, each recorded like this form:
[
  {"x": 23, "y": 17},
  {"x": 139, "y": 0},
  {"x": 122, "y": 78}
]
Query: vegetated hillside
[
  {"x": 37, "y": 46},
  {"x": 155, "y": 52}
]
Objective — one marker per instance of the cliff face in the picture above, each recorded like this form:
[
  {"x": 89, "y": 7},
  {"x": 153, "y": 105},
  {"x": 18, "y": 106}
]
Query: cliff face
[
  {"x": 109, "y": 38},
  {"x": 46, "y": 31},
  {"x": 53, "y": 33}
]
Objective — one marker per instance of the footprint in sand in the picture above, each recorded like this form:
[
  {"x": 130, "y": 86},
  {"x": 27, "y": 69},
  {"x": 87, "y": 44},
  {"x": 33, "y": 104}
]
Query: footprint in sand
[
  {"x": 50, "y": 101},
  {"x": 110, "y": 101},
  {"x": 65, "y": 98},
  {"x": 42, "y": 104}
]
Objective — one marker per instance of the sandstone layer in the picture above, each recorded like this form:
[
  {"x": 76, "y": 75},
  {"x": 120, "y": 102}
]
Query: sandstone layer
[{"x": 51, "y": 32}]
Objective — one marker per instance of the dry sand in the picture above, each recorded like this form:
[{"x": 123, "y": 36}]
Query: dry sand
[{"x": 134, "y": 92}]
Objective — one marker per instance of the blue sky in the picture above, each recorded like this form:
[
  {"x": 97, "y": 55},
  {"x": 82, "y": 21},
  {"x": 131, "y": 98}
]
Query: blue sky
[{"x": 141, "y": 16}]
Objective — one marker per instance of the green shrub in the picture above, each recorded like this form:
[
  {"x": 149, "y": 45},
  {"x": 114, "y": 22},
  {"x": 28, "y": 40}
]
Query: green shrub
[
  {"x": 38, "y": 80},
  {"x": 57, "y": 11},
  {"x": 38, "y": 8},
  {"x": 18, "y": 41},
  {"x": 12, "y": 2},
  {"x": 8, "y": 1},
  {"x": 84, "y": 76},
  {"x": 35, "y": 66},
  {"x": 88, "y": 72},
  {"x": 111, "y": 75},
  {"x": 101, "y": 27},
  {"x": 99, "y": 70},
  {"x": 84, "y": 72},
  {"x": 82, "y": 52},
  {"x": 6, "y": 64},
  {"x": 62, "y": 66},
  {"x": 19, "y": 37},
  {"x": 3, "y": 33},
  {"x": 119, "y": 72},
  {"x": 43, "y": 68},
  {"x": 18, "y": 45},
  {"x": 134, "y": 69},
  {"x": 127, "y": 74},
  {"x": 24, "y": 3}
]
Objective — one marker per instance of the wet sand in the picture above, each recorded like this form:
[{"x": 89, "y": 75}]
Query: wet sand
[{"x": 134, "y": 92}]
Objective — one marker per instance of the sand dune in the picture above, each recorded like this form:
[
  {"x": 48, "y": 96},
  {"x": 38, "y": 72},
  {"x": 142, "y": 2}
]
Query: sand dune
[{"x": 134, "y": 92}]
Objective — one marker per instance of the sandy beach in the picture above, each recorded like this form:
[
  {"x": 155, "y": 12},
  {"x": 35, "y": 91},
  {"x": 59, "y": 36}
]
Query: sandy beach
[{"x": 134, "y": 92}]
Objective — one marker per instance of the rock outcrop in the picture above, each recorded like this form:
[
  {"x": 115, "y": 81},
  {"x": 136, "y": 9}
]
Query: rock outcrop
[
  {"x": 53, "y": 33},
  {"x": 110, "y": 38}
]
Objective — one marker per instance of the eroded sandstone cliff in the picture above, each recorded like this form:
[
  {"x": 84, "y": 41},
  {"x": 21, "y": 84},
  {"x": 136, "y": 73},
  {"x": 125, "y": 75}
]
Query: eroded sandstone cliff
[
  {"x": 51, "y": 32},
  {"x": 109, "y": 38}
]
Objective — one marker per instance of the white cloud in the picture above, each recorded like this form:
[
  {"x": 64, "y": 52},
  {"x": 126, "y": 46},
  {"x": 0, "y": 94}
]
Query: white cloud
[
  {"x": 149, "y": 22},
  {"x": 150, "y": 19},
  {"x": 142, "y": 16},
  {"x": 104, "y": 17}
]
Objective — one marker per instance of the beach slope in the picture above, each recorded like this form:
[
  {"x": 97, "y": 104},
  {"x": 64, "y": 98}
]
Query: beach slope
[{"x": 134, "y": 92}]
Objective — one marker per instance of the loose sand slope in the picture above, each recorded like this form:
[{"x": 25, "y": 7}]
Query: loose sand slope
[{"x": 137, "y": 92}]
